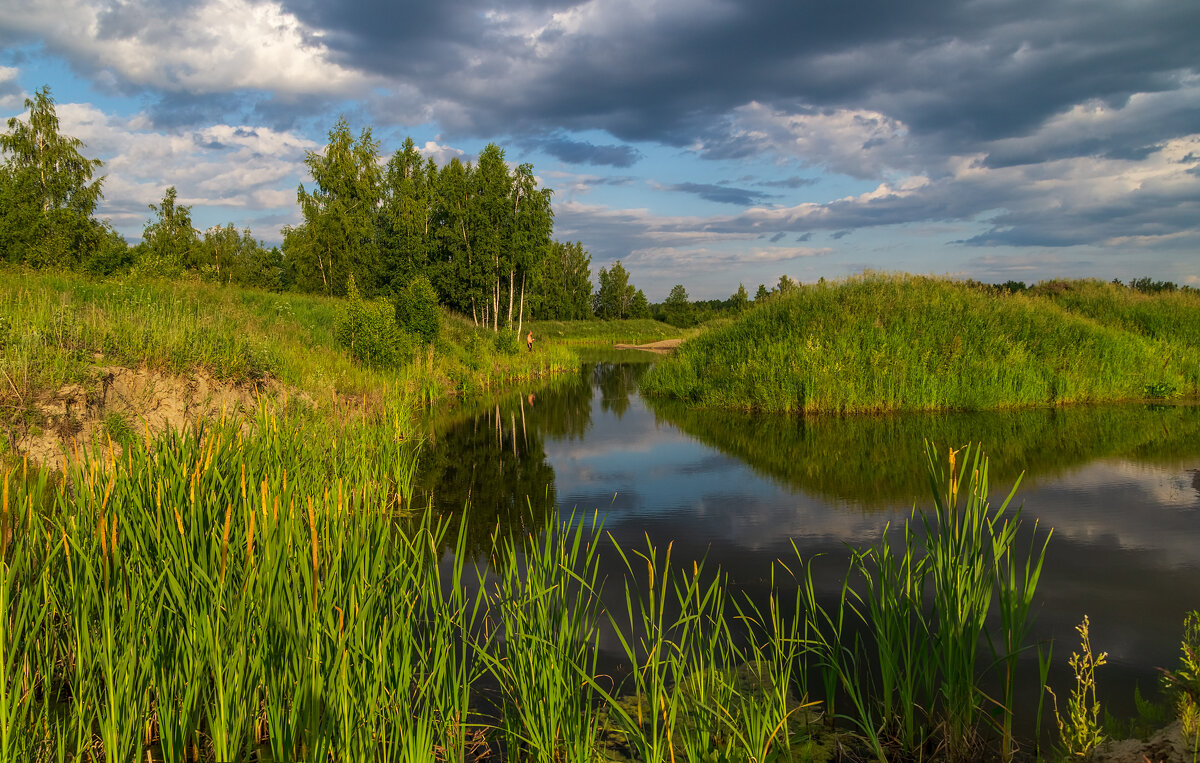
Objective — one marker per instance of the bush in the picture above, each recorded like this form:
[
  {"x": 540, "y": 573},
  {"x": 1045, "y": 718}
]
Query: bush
[
  {"x": 368, "y": 330},
  {"x": 417, "y": 309},
  {"x": 507, "y": 342}
]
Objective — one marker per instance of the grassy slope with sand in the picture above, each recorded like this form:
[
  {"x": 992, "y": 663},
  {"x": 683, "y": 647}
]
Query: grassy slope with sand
[
  {"x": 73, "y": 348},
  {"x": 887, "y": 343}
]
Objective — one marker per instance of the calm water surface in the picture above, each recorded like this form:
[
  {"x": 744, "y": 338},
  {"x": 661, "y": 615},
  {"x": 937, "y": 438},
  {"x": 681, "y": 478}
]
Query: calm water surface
[{"x": 1119, "y": 485}]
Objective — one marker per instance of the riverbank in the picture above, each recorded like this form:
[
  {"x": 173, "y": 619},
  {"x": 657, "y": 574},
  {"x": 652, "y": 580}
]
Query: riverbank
[
  {"x": 889, "y": 343},
  {"x": 276, "y": 534},
  {"x": 87, "y": 358}
]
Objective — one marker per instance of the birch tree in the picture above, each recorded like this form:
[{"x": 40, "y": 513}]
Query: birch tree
[
  {"x": 340, "y": 214},
  {"x": 47, "y": 191}
]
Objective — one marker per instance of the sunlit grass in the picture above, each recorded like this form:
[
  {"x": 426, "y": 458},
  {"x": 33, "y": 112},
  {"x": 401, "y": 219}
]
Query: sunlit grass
[
  {"x": 884, "y": 343},
  {"x": 57, "y": 329},
  {"x": 270, "y": 589}
]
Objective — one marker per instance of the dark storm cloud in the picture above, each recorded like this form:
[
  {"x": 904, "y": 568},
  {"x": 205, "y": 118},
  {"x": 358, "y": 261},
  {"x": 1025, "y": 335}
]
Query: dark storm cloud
[
  {"x": 1014, "y": 82},
  {"x": 721, "y": 194},
  {"x": 582, "y": 152},
  {"x": 962, "y": 71}
]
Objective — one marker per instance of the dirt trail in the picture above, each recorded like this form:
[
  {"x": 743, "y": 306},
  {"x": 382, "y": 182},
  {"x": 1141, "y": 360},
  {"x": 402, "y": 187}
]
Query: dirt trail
[{"x": 661, "y": 347}]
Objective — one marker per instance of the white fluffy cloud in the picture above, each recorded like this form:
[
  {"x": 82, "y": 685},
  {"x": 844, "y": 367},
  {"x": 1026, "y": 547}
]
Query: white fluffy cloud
[
  {"x": 10, "y": 92},
  {"x": 239, "y": 169},
  {"x": 855, "y": 142},
  {"x": 195, "y": 48},
  {"x": 439, "y": 153}
]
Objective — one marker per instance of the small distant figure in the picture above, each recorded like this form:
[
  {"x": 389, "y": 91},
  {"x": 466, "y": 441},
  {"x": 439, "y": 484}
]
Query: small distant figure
[{"x": 529, "y": 341}]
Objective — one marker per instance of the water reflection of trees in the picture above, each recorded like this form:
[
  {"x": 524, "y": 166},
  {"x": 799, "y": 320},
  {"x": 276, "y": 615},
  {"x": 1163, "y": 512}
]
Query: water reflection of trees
[
  {"x": 616, "y": 382},
  {"x": 489, "y": 457},
  {"x": 879, "y": 460},
  {"x": 491, "y": 467},
  {"x": 564, "y": 409}
]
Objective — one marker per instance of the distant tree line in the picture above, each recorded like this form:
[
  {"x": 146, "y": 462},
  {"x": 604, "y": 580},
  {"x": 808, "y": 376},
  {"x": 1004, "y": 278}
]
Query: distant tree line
[
  {"x": 478, "y": 233},
  {"x": 1053, "y": 286},
  {"x": 49, "y": 192}
]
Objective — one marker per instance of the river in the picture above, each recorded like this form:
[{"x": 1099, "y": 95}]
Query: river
[{"x": 1119, "y": 486}]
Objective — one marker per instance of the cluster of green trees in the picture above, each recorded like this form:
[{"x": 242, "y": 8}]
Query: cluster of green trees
[
  {"x": 479, "y": 232},
  {"x": 170, "y": 247},
  {"x": 616, "y": 298},
  {"x": 48, "y": 195}
]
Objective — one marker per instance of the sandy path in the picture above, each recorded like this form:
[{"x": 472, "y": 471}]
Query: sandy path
[{"x": 661, "y": 347}]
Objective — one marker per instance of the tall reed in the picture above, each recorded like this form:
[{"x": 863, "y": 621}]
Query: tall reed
[
  {"x": 233, "y": 591},
  {"x": 545, "y": 638},
  {"x": 914, "y": 675}
]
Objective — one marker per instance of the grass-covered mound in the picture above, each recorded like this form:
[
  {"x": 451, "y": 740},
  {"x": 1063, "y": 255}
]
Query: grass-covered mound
[{"x": 884, "y": 343}]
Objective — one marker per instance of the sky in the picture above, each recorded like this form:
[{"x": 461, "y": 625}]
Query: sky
[{"x": 700, "y": 142}]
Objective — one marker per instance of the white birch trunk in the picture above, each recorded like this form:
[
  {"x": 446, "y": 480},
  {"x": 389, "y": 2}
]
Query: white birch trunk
[
  {"x": 512, "y": 276},
  {"x": 521, "y": 313}
]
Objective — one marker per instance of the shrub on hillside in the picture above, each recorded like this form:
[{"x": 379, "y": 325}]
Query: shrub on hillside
[
  {"x": 507, "y": 342},
  {"x": 368, "y": 330},
  {"x": 417, "y": 309}
]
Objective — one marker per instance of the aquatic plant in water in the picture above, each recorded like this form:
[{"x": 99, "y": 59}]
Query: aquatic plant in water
[
  {"x": 902, "y": 642},
  {"x": 1079, "y": 728}
]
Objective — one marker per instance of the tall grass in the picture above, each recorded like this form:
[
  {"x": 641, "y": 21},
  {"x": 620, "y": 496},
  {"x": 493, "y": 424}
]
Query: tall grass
[
  {"x": 55, "y": 327},
  {"x": 903, "y": 643},
  {"x": 546, "y": 641},
  {"x": 234, "y": 591},
  {"x": 884, "y": 343}
]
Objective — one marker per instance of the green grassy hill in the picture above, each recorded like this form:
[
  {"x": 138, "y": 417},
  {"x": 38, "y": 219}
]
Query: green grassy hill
[
  {"x": 60, "y": 331},
  {"x": 884, "y": 343}
]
